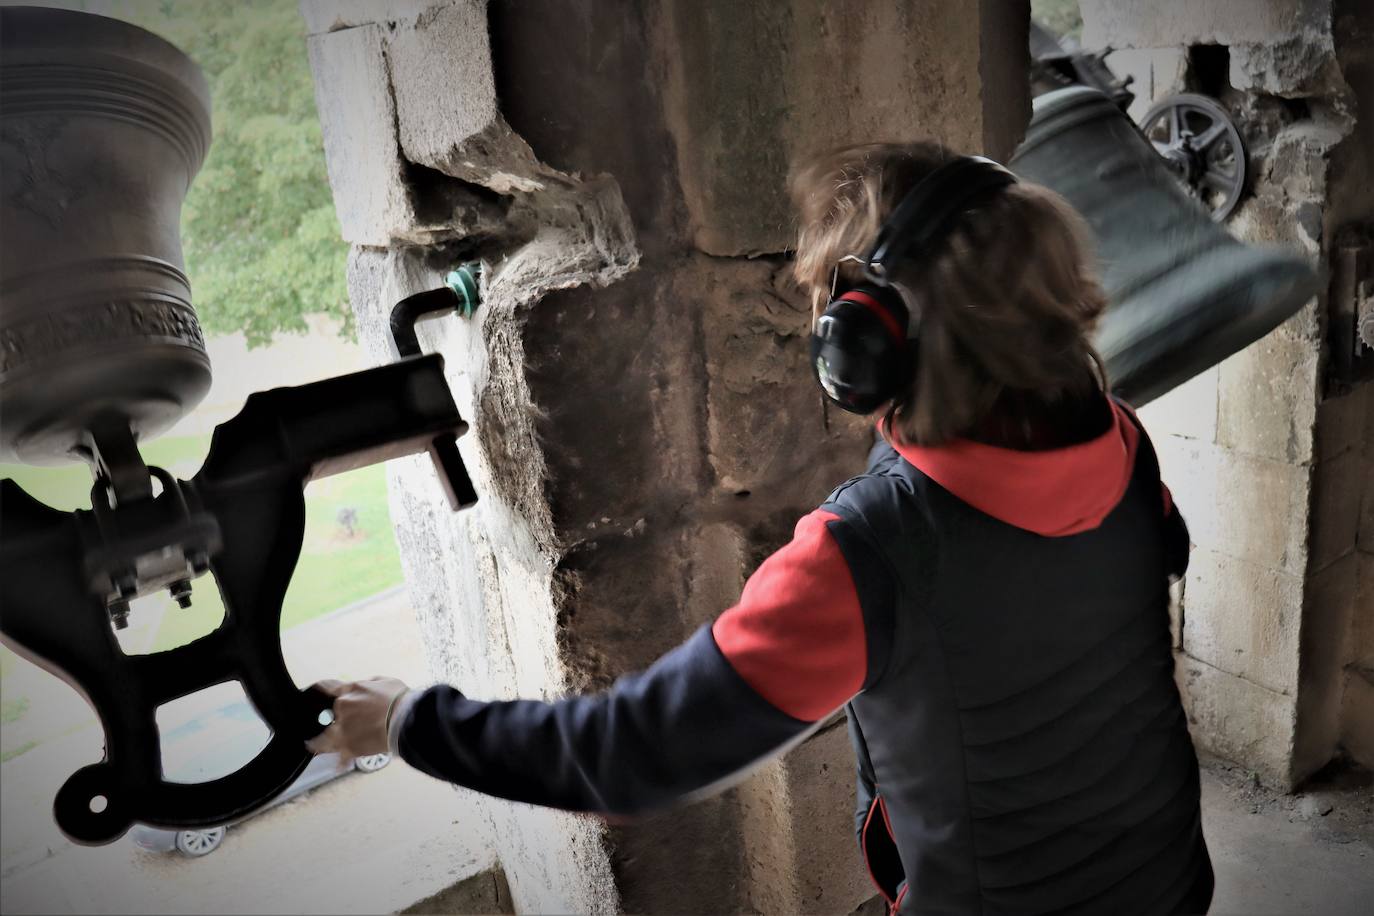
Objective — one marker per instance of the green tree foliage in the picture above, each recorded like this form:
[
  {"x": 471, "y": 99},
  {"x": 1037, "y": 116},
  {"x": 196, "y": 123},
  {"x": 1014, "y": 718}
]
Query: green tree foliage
[{"x": 260, "y": 236}]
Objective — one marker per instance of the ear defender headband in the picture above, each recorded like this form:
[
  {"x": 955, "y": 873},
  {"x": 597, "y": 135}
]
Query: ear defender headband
[{"x": 863, "y": 345}]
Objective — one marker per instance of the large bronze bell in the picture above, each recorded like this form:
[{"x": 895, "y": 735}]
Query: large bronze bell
[
  {"x": 1184, "y": 293},
  {"x": 102, "y": 127}
]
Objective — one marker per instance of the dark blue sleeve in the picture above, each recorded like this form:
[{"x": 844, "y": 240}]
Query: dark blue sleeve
[
  {"x": 881, "y": 457},
  {"x": 688, "y": 722}
]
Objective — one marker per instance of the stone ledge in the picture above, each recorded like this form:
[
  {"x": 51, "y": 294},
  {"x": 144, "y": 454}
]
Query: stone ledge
[
  {"x": 484, "y": 892},
  {"x": 323, "y": 16},
  {"x": 358, "y": 120}
]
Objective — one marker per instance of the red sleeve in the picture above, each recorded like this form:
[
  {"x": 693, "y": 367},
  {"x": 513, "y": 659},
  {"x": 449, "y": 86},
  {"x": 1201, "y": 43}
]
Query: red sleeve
[{"x": 797, "y": 635}]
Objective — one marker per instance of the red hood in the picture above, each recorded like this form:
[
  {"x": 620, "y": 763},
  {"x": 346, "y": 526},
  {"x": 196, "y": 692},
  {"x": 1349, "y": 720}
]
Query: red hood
[{"x": 1056, "y": 492}]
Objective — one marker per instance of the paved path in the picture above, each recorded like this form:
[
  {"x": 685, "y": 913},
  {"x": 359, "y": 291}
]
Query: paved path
[{"x": 365, "y": 843}]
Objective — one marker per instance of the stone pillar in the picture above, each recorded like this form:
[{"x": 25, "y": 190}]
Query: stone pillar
[
  {"x": 645, "y": 429},
  {"x": 1268, "y": 453}
]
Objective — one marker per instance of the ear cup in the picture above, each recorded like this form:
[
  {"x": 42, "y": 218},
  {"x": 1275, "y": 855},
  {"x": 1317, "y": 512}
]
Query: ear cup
[{"x": 860, "y": 354}]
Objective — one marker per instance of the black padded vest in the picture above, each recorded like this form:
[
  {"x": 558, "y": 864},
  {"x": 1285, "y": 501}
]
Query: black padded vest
[{"x": 1021, "y": 725}]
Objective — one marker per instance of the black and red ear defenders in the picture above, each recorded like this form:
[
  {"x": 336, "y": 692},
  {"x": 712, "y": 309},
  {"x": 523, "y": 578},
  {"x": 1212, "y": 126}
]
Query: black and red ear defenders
[{"x": 864, "y": 344}]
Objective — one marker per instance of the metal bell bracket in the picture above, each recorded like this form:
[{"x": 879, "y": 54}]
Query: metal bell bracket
[{"x": 64, "y": 575}]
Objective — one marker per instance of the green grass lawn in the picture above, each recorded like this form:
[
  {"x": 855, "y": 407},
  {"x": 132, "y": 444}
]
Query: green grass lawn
[{"x": 333, "y": 570}]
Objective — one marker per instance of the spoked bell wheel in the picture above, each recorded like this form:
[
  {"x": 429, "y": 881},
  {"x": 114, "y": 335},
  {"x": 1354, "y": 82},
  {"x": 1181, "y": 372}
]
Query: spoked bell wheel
[
  {"x": 197, "y": 843},
  {"x": 1202, "y": 146}
]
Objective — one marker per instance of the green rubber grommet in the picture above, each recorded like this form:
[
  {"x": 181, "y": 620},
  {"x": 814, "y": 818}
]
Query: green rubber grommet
[{"x": 463, "y": 280}]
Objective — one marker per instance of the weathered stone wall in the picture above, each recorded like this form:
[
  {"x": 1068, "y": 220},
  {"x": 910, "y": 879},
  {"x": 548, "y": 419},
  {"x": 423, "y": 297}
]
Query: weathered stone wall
[
  {"x": 1346, "y": 428},
  {"x": 645, "y": 430},
  {"x": 1264, "y": 456}
]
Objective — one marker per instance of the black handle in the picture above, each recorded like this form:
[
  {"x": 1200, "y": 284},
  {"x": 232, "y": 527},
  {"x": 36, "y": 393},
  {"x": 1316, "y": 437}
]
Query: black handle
[{"x": 453, "y": 474}]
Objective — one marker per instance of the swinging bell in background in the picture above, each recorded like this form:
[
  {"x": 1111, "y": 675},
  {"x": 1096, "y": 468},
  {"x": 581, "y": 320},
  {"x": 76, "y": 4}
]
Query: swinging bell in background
[
  {"x": 1184, "y": 294},
  {"x": 102, "y": 128}
]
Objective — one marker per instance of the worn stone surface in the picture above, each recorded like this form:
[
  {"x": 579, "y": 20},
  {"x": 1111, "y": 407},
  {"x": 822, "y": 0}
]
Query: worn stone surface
[
  {"x": 358, "y": 118},
  {"x": 1250, "y": 508},
  {"x": 1243, "y": 619},
  {"x": 481, "y": 581},
  {"x": 1338, "y": 491},
  {"x": 1189, "y": 411},
  {"x": 801, "y": 852},
  {"x": 1239, "y": 720},
  {"x": 382, "y": 137},
  {"x": 1326, "y": 615},
  {"x": 1179, "y": 23},
  {"x": 1344, "y": 422},
  {"x": 1352, "y": 168},
  {"x": 1267, "y": 399},
  {"x": 1357, "y": 715},
  {"x": 446, "y": 111},
  {"x": 484, "y": 892},
  {"x": 1299, "y": 66},
  {"x": 333, "y": 15},
  {"x": 830, "y": 874},
  {"x": 751, "y": 87}
]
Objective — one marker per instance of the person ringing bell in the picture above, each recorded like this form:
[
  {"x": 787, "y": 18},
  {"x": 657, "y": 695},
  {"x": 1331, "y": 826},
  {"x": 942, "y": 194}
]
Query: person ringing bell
[{"x": 987, "y": 601}]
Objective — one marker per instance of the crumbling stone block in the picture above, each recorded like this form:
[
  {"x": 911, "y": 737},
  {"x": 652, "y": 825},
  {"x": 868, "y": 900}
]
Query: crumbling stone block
[
  {"x": 447, "y": 115},
  {"x": 1179, "y": 23},
  {"x": 358, "y": 119},
  {"x": 1301, "y": 65},
  {"x": 1243, "y": 619}
]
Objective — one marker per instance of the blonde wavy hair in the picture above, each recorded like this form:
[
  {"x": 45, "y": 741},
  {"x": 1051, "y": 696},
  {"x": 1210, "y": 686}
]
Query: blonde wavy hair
[{"x": 1006, "y": 301}]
